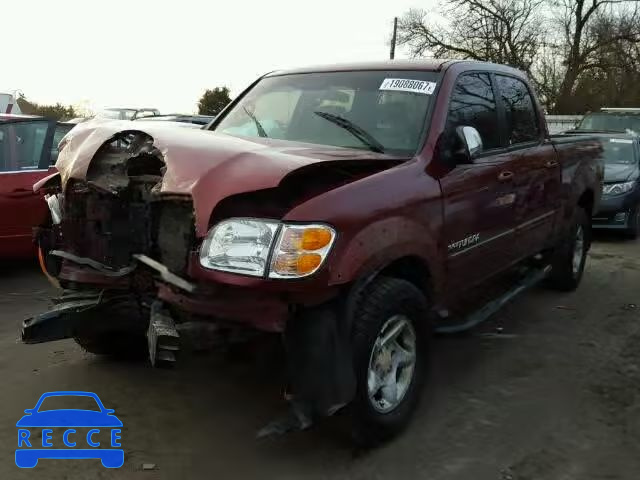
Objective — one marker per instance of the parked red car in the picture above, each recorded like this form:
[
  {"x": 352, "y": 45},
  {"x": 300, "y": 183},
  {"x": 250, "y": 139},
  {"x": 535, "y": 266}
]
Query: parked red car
[{"x": 28, "y": 150}]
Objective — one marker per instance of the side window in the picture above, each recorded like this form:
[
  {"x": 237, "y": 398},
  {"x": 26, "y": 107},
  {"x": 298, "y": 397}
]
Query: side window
[
  {"x": 21, "y": 145},
  {"x": 144, "y": 113},
  {"x": 473, "y": 104},
  {"x": 520, "y": 114}
]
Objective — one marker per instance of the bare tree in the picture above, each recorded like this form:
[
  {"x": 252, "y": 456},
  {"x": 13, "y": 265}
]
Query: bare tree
[
  {"x": 589, "y": 28},
  {"x": 501, "y": 31},
  {"x": 563, "y": 44}
]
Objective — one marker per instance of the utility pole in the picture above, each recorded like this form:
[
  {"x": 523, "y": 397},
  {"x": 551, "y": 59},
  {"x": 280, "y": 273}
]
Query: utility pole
[{"x": 392, "y": 53}]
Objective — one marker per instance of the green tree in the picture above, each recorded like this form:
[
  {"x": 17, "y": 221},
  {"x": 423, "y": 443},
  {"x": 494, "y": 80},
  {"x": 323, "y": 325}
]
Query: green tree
[
  {"x": 213, "y": 101},
  {"x": 57, "y": 111}
]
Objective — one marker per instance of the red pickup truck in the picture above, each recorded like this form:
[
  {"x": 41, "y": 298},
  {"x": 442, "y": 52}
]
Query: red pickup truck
[{"x": 348, "y": 208}]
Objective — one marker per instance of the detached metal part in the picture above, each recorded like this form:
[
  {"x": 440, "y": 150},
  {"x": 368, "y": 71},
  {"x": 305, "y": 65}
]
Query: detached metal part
[
  {"x": 165, "y": 273},
  {"x": 105, "y": 270},
  {"x": 162, "y": 337},
  {"x": 60, "y": 322},
  {"x": 53, "y": 201}
]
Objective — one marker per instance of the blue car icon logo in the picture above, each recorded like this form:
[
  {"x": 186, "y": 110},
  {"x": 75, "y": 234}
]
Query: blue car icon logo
[{"x": 73, "y": 421}]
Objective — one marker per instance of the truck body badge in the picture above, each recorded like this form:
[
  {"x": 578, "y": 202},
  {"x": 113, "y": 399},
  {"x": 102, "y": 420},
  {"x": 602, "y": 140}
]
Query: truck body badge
[{"x": 465, "y": 242}]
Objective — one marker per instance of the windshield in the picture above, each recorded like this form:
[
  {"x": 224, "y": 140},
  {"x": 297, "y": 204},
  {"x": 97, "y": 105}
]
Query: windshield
[
  {"x": 382, "y": 111},
  {"x": 611, "y": 122},
  {"x": 619, "y": 151}
]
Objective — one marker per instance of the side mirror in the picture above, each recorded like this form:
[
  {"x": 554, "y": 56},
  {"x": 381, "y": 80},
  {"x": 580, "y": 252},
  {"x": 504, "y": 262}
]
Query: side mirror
[{"x": 469, "y": 144}]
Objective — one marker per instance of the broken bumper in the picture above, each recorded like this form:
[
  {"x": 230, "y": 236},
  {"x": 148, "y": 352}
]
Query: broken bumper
[{"x": 61, "y": 321}]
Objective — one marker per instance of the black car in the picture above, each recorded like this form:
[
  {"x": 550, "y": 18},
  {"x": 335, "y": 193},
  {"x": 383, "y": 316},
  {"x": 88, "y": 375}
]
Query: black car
[{"x": 620, "y": 205}]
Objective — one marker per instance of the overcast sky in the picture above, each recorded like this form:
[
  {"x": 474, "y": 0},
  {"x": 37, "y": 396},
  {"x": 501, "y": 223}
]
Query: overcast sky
[{"x": 165, "y": 53}]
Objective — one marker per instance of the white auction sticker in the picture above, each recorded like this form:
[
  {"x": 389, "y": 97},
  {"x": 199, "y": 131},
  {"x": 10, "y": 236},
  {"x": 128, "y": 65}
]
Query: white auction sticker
[{"x": 408, "y": 85}]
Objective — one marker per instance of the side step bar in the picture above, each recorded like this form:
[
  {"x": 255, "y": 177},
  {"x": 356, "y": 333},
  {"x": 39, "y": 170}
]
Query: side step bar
[{"x": 479, "y": 316}]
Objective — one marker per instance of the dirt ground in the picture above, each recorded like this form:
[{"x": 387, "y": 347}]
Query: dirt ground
[{"x": 554, "y": 395}]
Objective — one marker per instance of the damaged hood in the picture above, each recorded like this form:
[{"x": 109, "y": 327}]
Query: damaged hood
[{"x": 206, "y": 165}]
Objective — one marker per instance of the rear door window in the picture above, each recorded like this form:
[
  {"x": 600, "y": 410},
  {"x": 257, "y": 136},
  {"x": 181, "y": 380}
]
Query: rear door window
[
  {"x": 473, "y": 104},
  {"x": 21, "y": 145},
  {"x": 520, "y": 114}
]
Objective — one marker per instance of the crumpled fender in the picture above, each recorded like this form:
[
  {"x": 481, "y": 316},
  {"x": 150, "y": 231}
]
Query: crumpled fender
[{"x": 393, "y": 214}]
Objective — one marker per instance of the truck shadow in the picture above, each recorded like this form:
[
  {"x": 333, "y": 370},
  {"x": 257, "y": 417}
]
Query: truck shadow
[{"x": 610, "y": 236}]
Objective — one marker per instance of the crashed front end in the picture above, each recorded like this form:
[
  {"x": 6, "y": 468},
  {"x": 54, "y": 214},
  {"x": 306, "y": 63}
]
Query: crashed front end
[{"x": 137, "y": 219}]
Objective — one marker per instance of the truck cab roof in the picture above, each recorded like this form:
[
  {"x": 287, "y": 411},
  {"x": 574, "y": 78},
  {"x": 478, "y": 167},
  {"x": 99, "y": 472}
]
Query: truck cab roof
[{"x": 429, "y": 65}]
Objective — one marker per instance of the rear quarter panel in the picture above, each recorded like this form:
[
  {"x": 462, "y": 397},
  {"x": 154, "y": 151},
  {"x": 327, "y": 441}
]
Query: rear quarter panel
[{"x": 582, "y": 167}]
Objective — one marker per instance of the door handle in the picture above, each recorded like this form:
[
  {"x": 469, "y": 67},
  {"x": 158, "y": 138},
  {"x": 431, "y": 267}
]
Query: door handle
[
  {"x": 505, "y": 176},
  {"x": 551, "y": 163},
  {"x": 20, "y": 192}
]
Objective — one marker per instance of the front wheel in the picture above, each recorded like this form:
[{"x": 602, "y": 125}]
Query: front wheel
[
  {"x": 390, "y": 334},
  {"x": 117, "y": 344},
  {"x": 570, "y": 255}
]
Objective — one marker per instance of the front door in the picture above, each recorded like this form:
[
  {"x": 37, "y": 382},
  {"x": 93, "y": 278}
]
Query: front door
[
  {"x": 25, "y": 152},
  {"x": 480, "y": 218},
  {"x": 479, "y": 199}
]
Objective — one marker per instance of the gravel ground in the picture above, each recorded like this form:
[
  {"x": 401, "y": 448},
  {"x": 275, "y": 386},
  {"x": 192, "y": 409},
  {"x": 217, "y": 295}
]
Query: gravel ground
[{"x": 555, "y": 395}]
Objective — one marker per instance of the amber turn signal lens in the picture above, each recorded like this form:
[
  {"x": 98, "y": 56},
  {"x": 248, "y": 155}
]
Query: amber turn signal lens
[
  {"x": 308, "y": 262},
  {"x": 292, "y": 264},
  {"x": 315, "y": 238}
]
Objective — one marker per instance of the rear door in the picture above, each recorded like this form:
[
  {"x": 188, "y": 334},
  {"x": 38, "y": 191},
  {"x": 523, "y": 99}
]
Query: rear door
[
  {"x": 479, "y": 198},
  {"x": 25, "y": 154},
  {"x": 538, "y": 173}
]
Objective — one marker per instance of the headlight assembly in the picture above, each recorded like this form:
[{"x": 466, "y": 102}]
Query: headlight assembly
[
  {"x": 266, "y": 248},
  {"x": 617, "y": 188},
  {"x": 239, "y": 245}
]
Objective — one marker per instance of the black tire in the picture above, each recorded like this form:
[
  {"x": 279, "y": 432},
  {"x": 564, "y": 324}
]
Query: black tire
[
  {"x": 117, "y": 330},
  {"x": 118, "y": 345},
  {"x": 382, "y": 300},
  {"x": 633, "y": 230},
  {"x": 563, "y": 275}
]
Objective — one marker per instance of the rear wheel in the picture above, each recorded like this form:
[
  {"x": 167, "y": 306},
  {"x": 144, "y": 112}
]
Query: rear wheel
[
  {"x": 569, "y": 257},
  {"x": 390, "y": 334},
  {"x": 633, "y": 230}
]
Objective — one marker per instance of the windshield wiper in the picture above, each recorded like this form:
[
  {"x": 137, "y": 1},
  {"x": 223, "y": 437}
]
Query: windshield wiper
[
  {"x": 261, "y": 131},
  {"x": 354, "y": 130}
]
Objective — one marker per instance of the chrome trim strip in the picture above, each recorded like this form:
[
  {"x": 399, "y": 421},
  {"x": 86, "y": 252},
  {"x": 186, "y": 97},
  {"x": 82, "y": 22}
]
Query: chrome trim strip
[
  {"x": 495, "y": 237},
  {"x": 506, "y": 232},
  {"x": 537, "y": 219}
]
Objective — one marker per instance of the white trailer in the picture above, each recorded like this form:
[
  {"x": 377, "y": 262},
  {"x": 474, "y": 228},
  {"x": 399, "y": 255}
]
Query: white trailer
[{"x": 8, "y": 103}]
